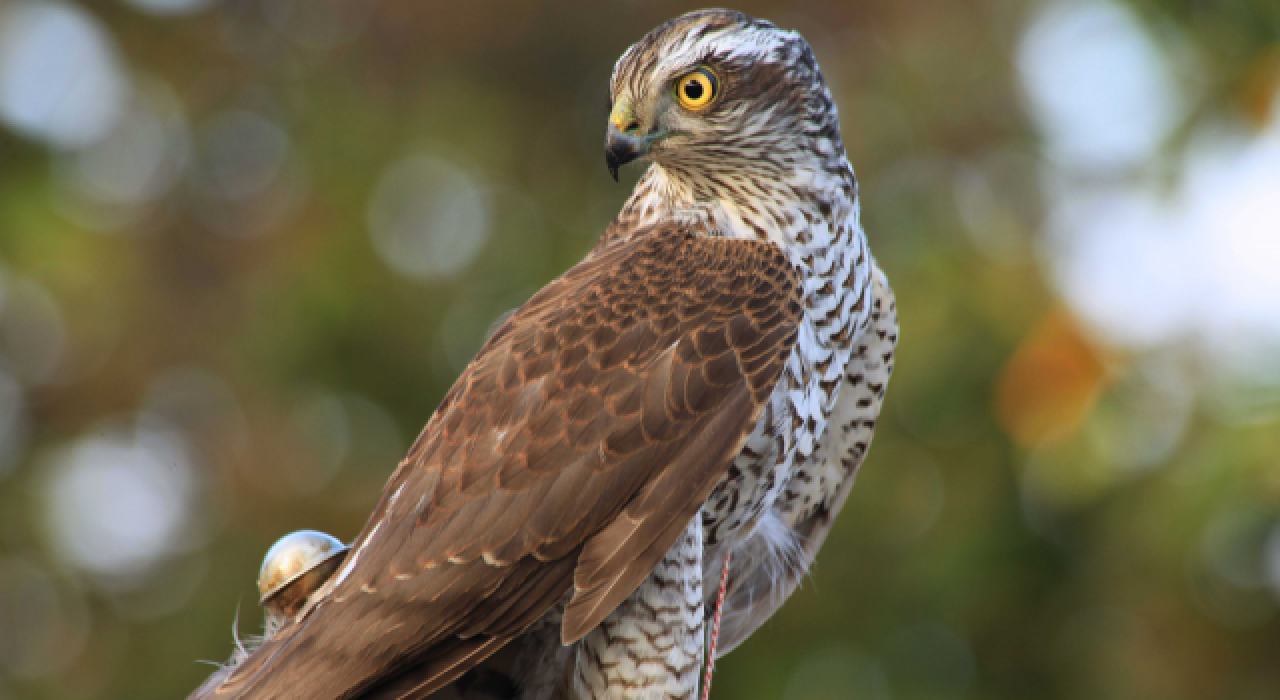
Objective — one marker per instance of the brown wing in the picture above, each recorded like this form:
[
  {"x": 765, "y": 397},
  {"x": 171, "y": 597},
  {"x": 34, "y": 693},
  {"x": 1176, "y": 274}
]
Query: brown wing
[{"x": 570, "y": 453}]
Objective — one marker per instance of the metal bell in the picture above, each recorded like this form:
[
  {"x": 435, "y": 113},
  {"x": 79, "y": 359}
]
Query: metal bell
[{"x": 295, "y": 567}]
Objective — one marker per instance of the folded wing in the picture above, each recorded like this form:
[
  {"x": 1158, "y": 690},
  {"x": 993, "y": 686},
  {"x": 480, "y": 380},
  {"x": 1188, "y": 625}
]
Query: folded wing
[{"x": 568, "y": 456}]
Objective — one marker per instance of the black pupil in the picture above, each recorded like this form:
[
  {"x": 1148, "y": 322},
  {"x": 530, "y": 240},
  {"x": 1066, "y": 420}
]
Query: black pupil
[{"x": 693, "y": 90}]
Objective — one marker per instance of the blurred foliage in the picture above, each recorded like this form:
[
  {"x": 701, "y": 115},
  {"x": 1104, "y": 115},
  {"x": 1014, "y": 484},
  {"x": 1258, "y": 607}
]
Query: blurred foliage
[{"x": 995, "y": 546}]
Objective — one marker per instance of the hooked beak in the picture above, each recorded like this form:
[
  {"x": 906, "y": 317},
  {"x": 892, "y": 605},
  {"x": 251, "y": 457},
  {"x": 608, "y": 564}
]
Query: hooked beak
[
  {"x": 623, "y": 141},
  {"x": 620, "y": 149}
]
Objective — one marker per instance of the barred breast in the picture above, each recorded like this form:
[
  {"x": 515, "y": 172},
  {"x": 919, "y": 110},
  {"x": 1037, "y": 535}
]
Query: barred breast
[{"x": 838, "y": 282}]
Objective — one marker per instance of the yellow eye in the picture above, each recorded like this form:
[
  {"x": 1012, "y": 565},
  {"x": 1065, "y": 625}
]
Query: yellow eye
[{"x": 697, "y": 88}]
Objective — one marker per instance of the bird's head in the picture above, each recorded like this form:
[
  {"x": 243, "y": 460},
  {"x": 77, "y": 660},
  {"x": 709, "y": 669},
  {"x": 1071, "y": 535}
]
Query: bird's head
[{"x": 717, "y": 89}]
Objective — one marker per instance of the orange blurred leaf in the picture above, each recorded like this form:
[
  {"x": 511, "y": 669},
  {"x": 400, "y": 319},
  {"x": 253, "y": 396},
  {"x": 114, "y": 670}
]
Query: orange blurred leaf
[{"x": 1050, "y": 383}]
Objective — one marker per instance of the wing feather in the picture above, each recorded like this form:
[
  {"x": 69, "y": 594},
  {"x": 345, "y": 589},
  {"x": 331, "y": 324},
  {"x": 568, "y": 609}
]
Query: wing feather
[{"x": 569, "y": 455}]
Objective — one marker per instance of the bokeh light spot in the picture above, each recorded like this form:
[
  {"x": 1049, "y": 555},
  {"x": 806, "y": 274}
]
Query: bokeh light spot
[
  {"x": 135, "y": 163},
  {"x": 428, "y": 219},
  {"x": 1194, "y": 267},
  {"x": 118, "y": 505},
  {"x": 241, "y": 153},
  {"x": 1098, "y": 85},
  {"x": 170, "y": 7},
  {"x": 60, "y": 79}
]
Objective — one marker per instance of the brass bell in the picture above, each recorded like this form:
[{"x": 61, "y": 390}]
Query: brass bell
[{"x": 295, "y": 567}]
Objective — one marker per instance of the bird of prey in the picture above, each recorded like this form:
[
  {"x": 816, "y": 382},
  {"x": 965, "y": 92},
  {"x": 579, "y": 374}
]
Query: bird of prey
[{"x": 704, "y": 383}]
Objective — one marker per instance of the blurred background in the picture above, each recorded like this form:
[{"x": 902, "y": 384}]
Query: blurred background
[{"x": 246, "y": 246}]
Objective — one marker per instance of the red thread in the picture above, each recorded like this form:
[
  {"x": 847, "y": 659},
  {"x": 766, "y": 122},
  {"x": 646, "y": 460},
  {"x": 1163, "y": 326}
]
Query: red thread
[{"x": 715, "y": 629}]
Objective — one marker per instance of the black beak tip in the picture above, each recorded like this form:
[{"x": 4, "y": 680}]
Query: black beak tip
[{"x": 620, "y": 149}]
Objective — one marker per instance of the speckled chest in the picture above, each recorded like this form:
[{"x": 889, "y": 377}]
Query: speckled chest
[
  {"x": 814, "y": 219},
  {"x": 785, "y": 440}
]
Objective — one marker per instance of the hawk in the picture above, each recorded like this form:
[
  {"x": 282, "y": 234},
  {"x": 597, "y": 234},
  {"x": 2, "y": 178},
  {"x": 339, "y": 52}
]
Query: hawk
[{"x": 705, "y": 382}]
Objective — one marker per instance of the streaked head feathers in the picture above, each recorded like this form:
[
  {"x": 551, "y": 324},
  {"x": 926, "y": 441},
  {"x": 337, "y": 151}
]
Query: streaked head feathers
[{"x": 771, "y": 96}]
